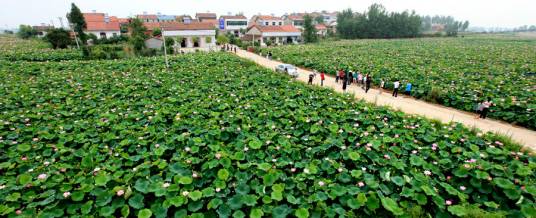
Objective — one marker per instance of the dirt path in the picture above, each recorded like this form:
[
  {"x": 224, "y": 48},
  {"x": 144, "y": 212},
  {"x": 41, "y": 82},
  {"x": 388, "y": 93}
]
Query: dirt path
[{"x": 413, "y": 106}]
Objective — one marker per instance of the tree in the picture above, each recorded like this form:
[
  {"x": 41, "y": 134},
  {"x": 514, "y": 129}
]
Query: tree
[
  {"x": 222, "y": 39},
  {"x": 137, "y": 35},
  {"x": 157, "y": 32},
  {"x": 319, "y": 19},
  {"x": 465, "y": 25},
  {"x": 170, "y": 42},
  {"x": 26, "y": 31},
  {"x": 58, "y": 38},
  {"x": 309, "y": 30},
  {"x": 76, "y": 19}
]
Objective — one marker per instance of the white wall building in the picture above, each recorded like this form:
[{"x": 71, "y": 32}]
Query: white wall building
[
  {"x": 286, "y": 34},
  {"x": 233, "y": 24},
  {"x": 192, "y": 36},
  {"x": 266, "y": 20}
]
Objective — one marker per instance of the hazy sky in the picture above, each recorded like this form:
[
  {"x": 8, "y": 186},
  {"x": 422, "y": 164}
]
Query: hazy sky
[{"x": 486, "y": 13}]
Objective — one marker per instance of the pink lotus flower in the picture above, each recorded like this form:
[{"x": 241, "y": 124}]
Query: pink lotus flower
[
  {"x": 462, "y": 188},
  {"x": 340, "y": 170},
  {"x": 470, "y": 161},
  {"x": 66, "y": 194},
  {"x": 18, "y": 212},
  {"x": 42, "y": 176},
  {"x": 293, "y": 170},
  {"x": 218, "y": 189},
  {"x": 194, "y": 175},
  {"x": 120, "y": 192},
  {"x": 187, "y": 149},
  {"x": 467, "y": 166},
  {"x": 157, "y": 145},
  {"x": 427, "y": 172},
  {"x": 24, "y": 158},
  {"x": 449, "y": 177},
  {"x": 218, "y": 155},
  {"x": 321, "y": 183},
  {"x": 396, "y": 136},
  {"x": 386, "y": 156},
  {"x": 185, "y": 193},
  {"x": 448, "y": 202},
  {"x": 414, "y": 152},
  {"x": 361, "y": 184}
]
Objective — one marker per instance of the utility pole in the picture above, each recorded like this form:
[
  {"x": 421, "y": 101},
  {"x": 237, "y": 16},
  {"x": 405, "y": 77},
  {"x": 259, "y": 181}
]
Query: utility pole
[{"x": 165, "y": 48}]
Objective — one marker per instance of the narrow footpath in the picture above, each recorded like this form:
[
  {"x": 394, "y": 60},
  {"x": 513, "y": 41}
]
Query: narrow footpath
[{"x": 411, "y": 105}]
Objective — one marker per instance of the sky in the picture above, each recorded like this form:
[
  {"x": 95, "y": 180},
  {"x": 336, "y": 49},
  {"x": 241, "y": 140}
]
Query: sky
[{"x": 481, "y": 13}]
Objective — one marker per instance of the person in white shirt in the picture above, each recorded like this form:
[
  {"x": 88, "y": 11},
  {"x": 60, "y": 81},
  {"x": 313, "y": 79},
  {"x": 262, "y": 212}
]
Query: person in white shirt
[
  {"x": 396, "y": 85},
  {"x": 382, "y": 84}
]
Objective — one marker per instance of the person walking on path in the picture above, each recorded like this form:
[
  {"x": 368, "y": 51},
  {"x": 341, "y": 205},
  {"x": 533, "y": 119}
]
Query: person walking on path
[
  {"x": 408, "y": 88},
  {"x": 382, "y": 84},
  {"x": 311, "y": 76},
  {"x": 322, "y": 78},
  {"x": 485, "y": 108},
  {"x": 364, "y": 81},
  {"x": 344, "y": 80},
  {"x": 359, "y": 78},
  {"x": 337, "y": 73},
  {"x": 355, "y": 77},
  {"x": 350, "y": 77},
  {"x": 396, "y": 85},
  {"x": 235, "y": 49},
  {"x": 369, "y": 80}
]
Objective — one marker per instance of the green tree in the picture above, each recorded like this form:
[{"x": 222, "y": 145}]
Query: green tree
[
  {"x": 157, "y": 32},
  {"x": 222, "y": 39},
  {"x": 76, "y": 19},
  {"x": 137, "y": 35},
  {"x": 170, "y": 42},
  {"x": 26, "y": 31},
  {"x": 309, "y": 30},
  {"x": 319, "y": 19},
  {"x": 58, "y": 38},
  {"x": 465, "y": 25}
]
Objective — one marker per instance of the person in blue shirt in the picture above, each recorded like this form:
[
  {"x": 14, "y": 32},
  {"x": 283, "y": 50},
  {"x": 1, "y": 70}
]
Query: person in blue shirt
[{"x": 408, "y": 88}]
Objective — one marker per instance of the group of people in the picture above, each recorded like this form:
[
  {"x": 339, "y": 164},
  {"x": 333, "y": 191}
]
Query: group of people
[
  {"x": 365, "y": 80},
  {"x": 229, "y": 47}
]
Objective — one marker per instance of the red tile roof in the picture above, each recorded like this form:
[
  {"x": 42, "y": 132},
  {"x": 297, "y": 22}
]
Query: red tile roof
[
  {"x": 147, "y": 16},
  {"x": 320, "y": 27},
  {"x": 187, "y": 26},
  {"x": 96, "y": 22},
  {"x": 214, "y": 22},
  {"x": 123, "y": 20},
  {"x": 151, "y": 26},
  {"x": 234, "y": 17},
  {"x": 295, "y": 17},
  {"x": 268, "y": 17},
  {"x": 284, "y": 28},
  {"x": 206, "y": 15}
]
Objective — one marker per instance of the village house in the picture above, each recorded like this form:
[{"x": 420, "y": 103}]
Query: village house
[
  {"x": 102, "y": 25},
  {"x": 147, "y": 18},
  {"x": 265, "y": 20},
  {"x": 42, "y": 30},
  {"x": 295, "y": 20},
  {"x": 190, "y": 37},
  {"x": 329, "y": 17},
  {"x": 208, "y": 18},
  {"x": 265, "y": 35},
  {"x": 233, "y": 24},
  {"x": 154, "y": 42},
  {"x": 183, "y": 19},
  {"x": 321, "y": 30},
  {"x": 165, "y": 18}
]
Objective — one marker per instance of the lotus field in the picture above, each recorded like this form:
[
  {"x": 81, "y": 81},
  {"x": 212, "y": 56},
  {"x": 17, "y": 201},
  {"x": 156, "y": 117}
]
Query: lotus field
[
  {"x": 218, "y": 136},
  {"x": 459, "y": 72}
]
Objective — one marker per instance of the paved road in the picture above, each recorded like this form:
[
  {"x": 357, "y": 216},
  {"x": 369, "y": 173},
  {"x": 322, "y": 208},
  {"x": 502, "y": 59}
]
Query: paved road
[{"x": 411, "y": 105}]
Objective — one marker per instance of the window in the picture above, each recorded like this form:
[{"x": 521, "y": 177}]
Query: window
[
  {"x": 237, "y": 23},
  {"x": 280, "y": 23},
  {"x": 102, "y": 35},
  {"x": 266, "y": 23},
  {"x": 273, "y": 23},
  {"x": 114, "y": 34}
]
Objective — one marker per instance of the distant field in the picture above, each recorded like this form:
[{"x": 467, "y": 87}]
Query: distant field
[{"x": 456, "y": 72}]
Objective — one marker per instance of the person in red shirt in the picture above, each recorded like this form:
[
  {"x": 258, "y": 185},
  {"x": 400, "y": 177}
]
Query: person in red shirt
[{"x": 322, "y": 78}]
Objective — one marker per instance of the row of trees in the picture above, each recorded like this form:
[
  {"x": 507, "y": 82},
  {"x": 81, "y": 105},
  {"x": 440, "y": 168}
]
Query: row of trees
[
  {"x": 525, "y": 28},
  {"x": 376, "y": 22},
  {"x": 451, "y": 26}
]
